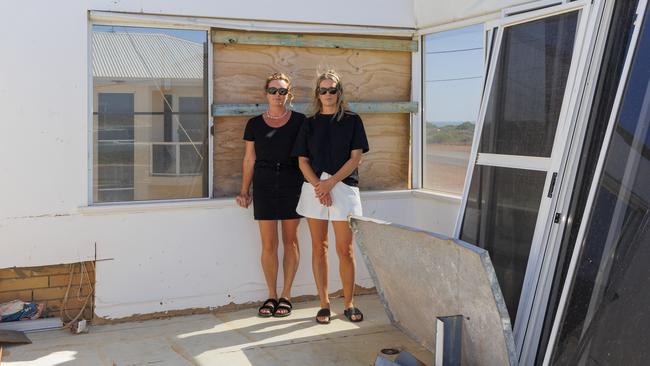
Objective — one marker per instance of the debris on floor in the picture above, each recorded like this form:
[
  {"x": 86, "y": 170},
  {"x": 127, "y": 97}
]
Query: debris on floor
[{"x": 20, "y": 310}]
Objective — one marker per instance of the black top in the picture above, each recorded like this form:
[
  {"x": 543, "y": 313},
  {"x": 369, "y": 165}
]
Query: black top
[
  {"x": 273, "y": 145},
  {"x": 328, "y": 143}
]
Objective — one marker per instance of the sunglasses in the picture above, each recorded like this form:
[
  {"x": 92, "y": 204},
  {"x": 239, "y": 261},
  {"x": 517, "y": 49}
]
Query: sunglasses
[
  {"x": 323, "y": 91},
  {"x": 273, "y": 90}
]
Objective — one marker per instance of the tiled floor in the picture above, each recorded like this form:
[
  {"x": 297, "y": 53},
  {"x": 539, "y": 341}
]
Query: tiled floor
[{"x": 237, "y": 338}]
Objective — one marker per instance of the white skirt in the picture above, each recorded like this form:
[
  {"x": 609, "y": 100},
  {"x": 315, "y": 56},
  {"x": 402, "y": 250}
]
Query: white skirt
[{"x": 346, "y": 200}]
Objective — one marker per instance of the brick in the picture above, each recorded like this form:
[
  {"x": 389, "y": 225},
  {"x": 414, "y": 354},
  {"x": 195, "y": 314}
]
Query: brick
[
  {"x": 6, "y": 273},
  {"x": 24, "y": 295},
  {"x": 24, "y": 272},
  {"x": 57, "y": 293},
  {"x": 73, "y": 303},
  {"x": 23, "y": 283},
  {"x": 62, "y": 280}
]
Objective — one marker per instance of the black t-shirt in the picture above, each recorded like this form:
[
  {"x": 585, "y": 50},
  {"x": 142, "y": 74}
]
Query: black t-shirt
[
  {"x": 328, "y": 143},
  {"x": 274, "y": 145}
]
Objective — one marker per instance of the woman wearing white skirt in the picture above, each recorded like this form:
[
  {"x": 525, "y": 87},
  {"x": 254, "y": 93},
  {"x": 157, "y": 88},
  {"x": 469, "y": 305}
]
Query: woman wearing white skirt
[{"x": 329, "y": 148}]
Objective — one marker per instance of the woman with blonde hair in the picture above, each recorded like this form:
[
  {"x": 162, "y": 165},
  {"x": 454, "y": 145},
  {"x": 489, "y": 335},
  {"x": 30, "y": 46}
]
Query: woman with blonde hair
[
  {"x": 329, "y": 148},
  {"x": 277, "y": 182}
]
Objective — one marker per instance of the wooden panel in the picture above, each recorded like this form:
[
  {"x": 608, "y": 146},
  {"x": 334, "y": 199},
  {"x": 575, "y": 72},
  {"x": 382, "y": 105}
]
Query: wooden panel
[
  {"x": 231, "y": 37},
  {"x": 385, "y": 166},
  {"x": 228, "y": 155},
  {"x": 368, "y": 76},
  {"x": 228, "y": 110}
]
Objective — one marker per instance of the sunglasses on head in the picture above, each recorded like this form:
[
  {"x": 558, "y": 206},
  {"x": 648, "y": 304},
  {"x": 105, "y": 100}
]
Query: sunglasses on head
[
  {"x": 273, "y": 90},
  {"x": 323, "y": 91}
]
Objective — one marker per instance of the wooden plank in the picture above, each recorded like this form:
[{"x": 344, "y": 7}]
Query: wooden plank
[
  {"x": 233, "y": 37},
  {"x": 377, "y": 76},
  {"x": 384, "y": 167},
  {"x": 253, "y": 109}
]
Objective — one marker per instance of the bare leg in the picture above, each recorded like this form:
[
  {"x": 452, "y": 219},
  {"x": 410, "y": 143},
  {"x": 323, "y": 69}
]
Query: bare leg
[
  {"x": 319, "y": 245},
  {"x": 347, "y": 264},
  {"x": 291, "y": 257},
  {"x": 269, "y": 235}
]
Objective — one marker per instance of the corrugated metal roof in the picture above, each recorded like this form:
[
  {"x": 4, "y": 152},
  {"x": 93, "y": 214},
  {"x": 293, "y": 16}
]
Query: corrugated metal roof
[{"x": 145, "y": 55}]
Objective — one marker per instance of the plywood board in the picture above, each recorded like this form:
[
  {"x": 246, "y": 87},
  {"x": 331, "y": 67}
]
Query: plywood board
[
  {"x": 230, "y": 37},
  {"x": 368, "y": 76},
  {"x": 384, "y": 167}
]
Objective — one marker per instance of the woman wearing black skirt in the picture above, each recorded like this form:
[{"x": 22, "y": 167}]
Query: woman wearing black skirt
[{"x": 277, "y": 182}]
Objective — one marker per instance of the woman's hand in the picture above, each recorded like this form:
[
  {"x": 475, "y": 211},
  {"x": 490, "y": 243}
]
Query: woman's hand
[
  {"x": 244, "y": 199},
  {"x": 324, "y": 187},
  {"x": 325, "y": 200}
]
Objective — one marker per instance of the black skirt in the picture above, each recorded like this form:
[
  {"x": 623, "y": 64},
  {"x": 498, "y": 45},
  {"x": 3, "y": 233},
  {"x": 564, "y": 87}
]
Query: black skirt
[{"x": 276, "y": 191}]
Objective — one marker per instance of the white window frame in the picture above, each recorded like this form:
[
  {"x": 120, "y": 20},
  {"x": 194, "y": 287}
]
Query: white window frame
[
  {"x": 417, "y": 133},
  {"x": 136, "y": 21},
  {"x": 549, "y": 165},
  {"x": 177, "y": 159}
]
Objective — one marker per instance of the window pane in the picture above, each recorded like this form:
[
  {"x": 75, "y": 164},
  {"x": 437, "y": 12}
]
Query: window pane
[
  {"x": 150, "y": 103},
  {"x": 163, "y": 159},
  {"x": 501, "y": 213},
  {"x": 528, "y": 87},
  {"x": 453, "y": 69},
  {"x": 606, "y": 316}
]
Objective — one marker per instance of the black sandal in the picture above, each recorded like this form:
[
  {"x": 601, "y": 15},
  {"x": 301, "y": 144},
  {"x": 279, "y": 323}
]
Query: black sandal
[
  {"x": 349, "y": 312},
  {"x": 283, "y": 303},
  {"x": 270, "y": 305},
  {"x": 322, "y": 313}
]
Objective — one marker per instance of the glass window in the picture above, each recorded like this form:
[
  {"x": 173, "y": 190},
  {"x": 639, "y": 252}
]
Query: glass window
[
  {"x": 528, "y": 87},
  {"x": 501, "y": 213},
  {"x": 606, "y": 315},
  {"x": 150, "y": 114},
  {"x": 521, "y": 119},
  {"x": 453, "y": 72}
]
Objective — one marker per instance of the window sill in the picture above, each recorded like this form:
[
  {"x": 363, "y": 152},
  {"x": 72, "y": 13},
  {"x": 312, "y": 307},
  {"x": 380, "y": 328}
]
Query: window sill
[
  {"x": 229, "y": 202},
  {"x": 424, "y": 193},
  {"x": 134, "y": 207}
]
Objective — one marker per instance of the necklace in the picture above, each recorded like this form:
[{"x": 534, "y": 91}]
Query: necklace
[{"x": 268, "y": 115}]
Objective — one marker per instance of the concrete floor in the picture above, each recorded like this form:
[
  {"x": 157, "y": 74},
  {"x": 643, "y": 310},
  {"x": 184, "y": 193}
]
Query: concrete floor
[{"x": 236, "y": 338}]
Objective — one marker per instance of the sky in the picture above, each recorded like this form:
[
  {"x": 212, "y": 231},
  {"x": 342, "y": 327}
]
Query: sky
[{"x": 453, "y": 71}]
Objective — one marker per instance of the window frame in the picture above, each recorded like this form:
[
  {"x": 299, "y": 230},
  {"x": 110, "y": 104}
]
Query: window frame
[
  {"x": 418, "y": 132},
  {"x": 570, "y": 102},
  {"x": 89, "y": 198}
]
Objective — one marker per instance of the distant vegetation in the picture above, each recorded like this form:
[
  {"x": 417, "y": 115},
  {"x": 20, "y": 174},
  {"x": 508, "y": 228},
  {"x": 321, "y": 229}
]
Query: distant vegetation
[{"x": 450, "y": 134}]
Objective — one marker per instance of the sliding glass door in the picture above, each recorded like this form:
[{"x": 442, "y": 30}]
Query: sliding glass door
[{"x": 522, "y": 133}]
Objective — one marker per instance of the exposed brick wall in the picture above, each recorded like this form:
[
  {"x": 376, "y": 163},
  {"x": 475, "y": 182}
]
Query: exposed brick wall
[{"x": 48, "y": 284}]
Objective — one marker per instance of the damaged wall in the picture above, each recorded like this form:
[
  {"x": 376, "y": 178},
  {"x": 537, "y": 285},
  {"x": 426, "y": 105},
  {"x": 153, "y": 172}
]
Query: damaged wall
[{"x": 153, "y": 257}]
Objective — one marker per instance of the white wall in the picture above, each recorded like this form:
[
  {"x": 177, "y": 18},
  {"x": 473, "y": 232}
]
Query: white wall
[
  {"x": 151, "y": 259},
  {"x": 44, "y": 84},
  {"x": 201, "y": 255},
  {"x": 432, "y": 13}
]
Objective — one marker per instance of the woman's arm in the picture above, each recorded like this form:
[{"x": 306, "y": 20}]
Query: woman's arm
[
  {"x": 244, "y": 198},
  {"x": 326, "y": 185},
  {"x": 308, "y": 173}
]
